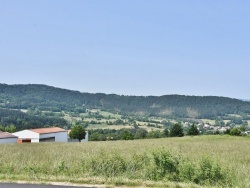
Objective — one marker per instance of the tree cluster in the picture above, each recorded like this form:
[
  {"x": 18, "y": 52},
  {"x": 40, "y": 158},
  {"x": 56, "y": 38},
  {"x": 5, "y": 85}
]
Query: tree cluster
[
  {"x": 135, "y": 133},
  {"x": 23, "y": 120},
  {"x": 125, "y": 134}
]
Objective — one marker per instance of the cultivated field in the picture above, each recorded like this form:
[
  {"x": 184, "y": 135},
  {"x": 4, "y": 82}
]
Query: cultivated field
[{"x": 204, "y": 161}]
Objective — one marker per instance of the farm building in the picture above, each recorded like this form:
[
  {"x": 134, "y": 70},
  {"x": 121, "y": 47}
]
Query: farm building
[
  {"x": 53, "y": 134},
  {"x": 7, "y": 138}
]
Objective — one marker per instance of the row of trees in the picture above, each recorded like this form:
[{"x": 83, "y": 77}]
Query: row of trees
[
  {"x": 78, "y": 132},
  {"x": 137, "y": 133}
]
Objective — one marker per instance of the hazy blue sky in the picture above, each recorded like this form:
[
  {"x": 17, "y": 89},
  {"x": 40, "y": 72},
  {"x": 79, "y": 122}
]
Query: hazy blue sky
[{"x": 131, "y": 47}]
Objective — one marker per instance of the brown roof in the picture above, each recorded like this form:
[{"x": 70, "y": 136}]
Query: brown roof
[
  {"x": 48, "y": 130},
  {"x": 6, "y": 135}
]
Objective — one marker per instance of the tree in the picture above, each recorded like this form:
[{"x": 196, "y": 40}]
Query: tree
[
  {"x": 235, "y": 132},
  {"x": 77, "y": 132},
  {"x": 176, "y": 130},
  {"x": 227, "y": 131},
  {"x": 10, "y": 129},
  {"x": 166, "y": 132},
  {"x": 154, "y": 134},
  {"x": 193, "y": 130},
  {"x": 242, "y": 128},
  {"x": 140, "y": 133},
  {"x": 127, "y": 135},
  {"x": 95, "y": 136}
]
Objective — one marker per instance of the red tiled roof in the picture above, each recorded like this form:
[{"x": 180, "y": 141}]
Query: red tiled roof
[
  {"x": 48, "y": 130},
  {"x": 6, "y": 135}
]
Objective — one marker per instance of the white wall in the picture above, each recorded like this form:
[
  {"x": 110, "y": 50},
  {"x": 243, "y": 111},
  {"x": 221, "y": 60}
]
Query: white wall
[
  {"x": 86, "y": 137},
  {"x": 34, "y": 140},
  {"x": 59, "y": 136},
  {"x": 27, "y": 134},
  {"x": 8, "y": 140}
]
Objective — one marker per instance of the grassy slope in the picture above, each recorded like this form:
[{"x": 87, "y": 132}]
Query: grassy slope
[{"x": 69, "y": 161}]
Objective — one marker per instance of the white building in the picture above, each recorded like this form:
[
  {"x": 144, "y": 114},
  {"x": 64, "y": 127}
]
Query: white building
[
  {"x": 53, "y": 134},
  {"x": 7, "y": 138}
]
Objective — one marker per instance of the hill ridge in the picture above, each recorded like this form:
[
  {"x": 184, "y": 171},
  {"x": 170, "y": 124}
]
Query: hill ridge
[{"x": 44, "y": 97}]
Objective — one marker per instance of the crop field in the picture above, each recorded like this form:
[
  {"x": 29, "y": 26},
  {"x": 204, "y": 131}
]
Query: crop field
[
  {"x": 149, "y": 128},
  {"x": 208, "y": 121},
  {"x": 202, "y": 161},
  {"x": 108, "y": 114},
  {"x": 105, "y": 126}
]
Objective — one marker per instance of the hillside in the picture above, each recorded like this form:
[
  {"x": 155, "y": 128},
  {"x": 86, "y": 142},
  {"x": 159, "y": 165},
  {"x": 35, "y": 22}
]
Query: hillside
[{"x": 47, "y": 98}]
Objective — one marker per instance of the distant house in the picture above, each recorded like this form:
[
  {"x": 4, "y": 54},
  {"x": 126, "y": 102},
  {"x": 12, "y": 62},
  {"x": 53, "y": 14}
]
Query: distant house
[
  {"x": 224, "y": 128},
  {"x": 206, "y": 126},
  {"x": 7, "y": 138},
  {"x": 53, "y": 134},
  {"x": 86, "y": 139}
]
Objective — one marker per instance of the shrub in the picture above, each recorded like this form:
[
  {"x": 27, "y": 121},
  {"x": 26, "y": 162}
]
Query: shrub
[
  {"x": 165, "y": 164},
  {"x": 127, "y": 135},
  {"x": 188, "y": 172},
  {"x": 107, "y": 165},
  {"x": 210, "y": 173},
  {"x": 235, "y": 132}
]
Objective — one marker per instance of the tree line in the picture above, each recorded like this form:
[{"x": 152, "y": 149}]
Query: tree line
[{"x": 137, "y": 133}]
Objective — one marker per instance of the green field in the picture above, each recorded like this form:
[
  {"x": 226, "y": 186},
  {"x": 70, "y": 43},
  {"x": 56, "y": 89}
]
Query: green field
[
  {"x": 203, "y": 161},
  {"x": 211, "y": 122},
  {"x": 107, "y": 114}
]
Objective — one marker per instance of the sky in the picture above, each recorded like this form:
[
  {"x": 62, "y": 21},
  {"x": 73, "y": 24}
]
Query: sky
[{"x": 128, "y": 47}]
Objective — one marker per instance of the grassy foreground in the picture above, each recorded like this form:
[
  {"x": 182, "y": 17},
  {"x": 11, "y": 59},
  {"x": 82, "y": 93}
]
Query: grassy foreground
[{"x": 204, "y": 161}]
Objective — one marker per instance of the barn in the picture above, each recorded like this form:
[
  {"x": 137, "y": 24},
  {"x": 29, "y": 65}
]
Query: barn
[
  {"x": 53, "y": 134},
  {"x": 7, "y": 138}
]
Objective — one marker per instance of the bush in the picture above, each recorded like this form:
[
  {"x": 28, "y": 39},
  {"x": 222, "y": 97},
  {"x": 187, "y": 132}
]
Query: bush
[
  {"x": 127, "y": 135},
  {"x": 188, "y": 172},
  {"x": 107, "y": 165},
  {"x": 165, "y": 164},
  {"x": 235, "y": 132},
  {"x": 210, "y": 173}
]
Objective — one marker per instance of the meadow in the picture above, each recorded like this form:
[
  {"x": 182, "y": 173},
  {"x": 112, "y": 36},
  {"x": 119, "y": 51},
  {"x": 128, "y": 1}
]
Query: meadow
[{"x": 202, "y": 161}]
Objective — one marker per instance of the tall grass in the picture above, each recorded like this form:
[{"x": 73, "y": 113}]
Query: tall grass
[{"x": 218, "y": 161}]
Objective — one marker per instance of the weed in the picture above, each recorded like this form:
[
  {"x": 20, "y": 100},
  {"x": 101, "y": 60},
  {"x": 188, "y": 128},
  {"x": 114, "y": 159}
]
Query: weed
[{"x": 154, "y": 161}]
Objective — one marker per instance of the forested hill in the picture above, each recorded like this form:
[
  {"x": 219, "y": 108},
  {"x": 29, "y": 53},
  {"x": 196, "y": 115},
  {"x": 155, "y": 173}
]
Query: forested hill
[{"x": 47, "y": 98}]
